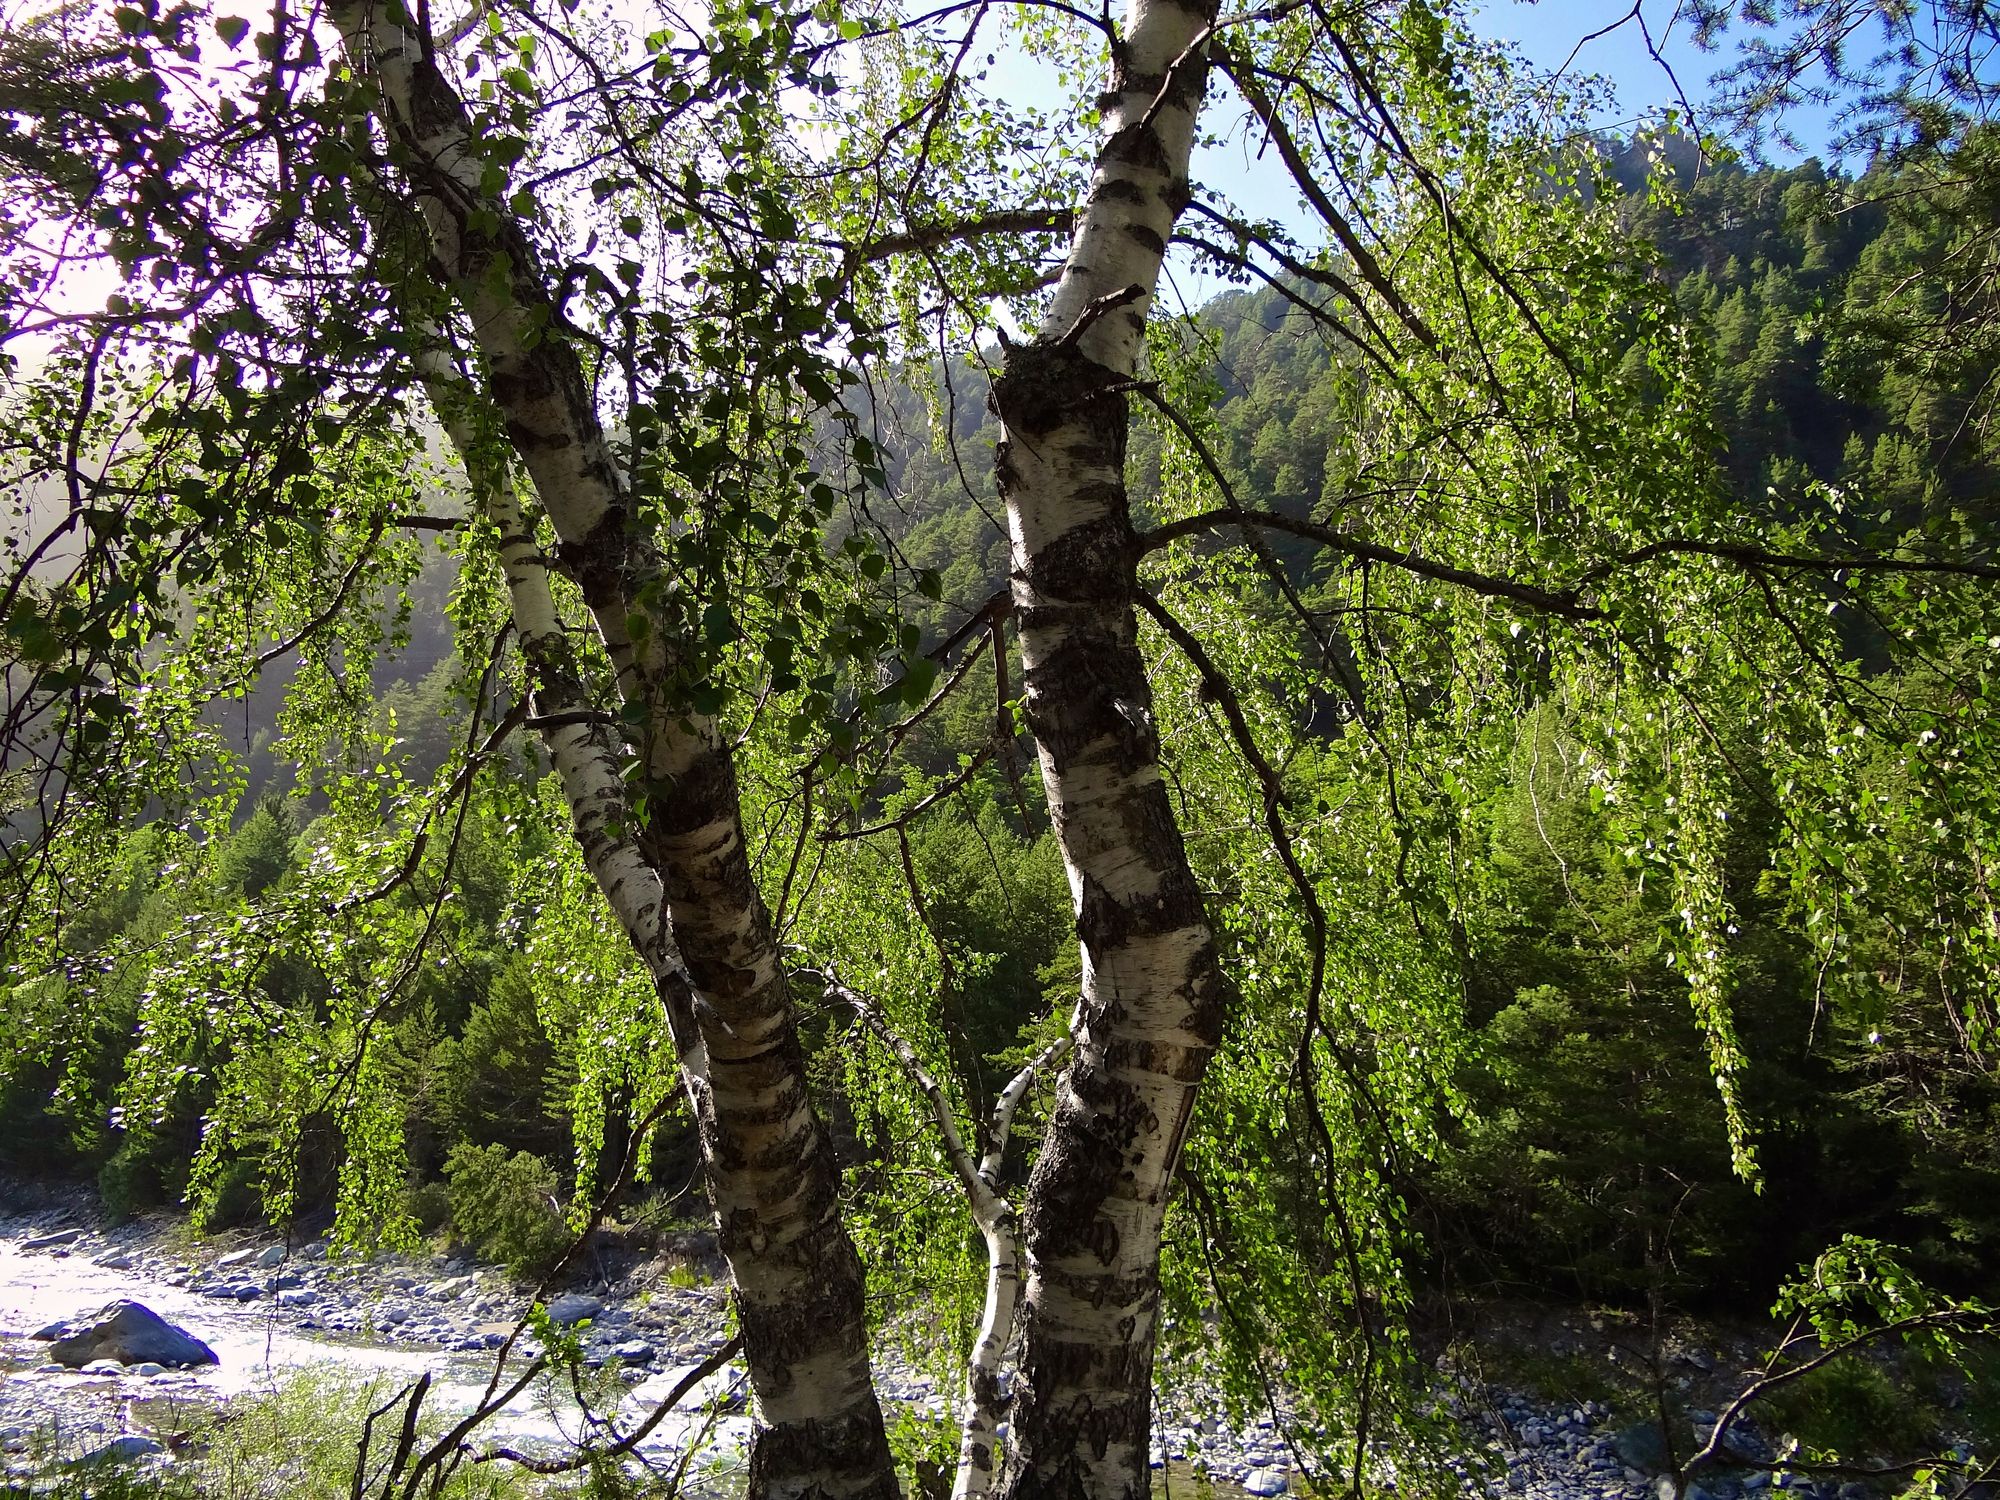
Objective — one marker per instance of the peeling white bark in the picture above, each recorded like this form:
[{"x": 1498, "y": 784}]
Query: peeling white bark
[
  {"x": 585, "y": 758},
  {"x": 1139, "y": 181},
  {"x": 769, "y": 1164}
]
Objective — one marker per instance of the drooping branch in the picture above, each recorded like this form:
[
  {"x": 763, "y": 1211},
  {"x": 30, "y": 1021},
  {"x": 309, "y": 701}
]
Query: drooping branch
[
  {"x": 909, "y": 815},
  {"x": 926, "y": 237},
  {"x": 1243, "y": 75},
  {"x": 1564, "y": 604},
  {"x": 1292, "y": 265},
  {"x": 630, "y": 1440},
  {"x": 1974, "y": 1321},
  {"x": 1758, "y": 557}
]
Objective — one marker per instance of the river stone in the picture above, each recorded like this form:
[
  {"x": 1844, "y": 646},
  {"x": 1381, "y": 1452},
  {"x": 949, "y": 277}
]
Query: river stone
[
  {"x": 131, "y": 1333},
  {"x": 634, "y": 1351},
  {"x": 55, "y": 1241},
  {"x": 104, "y": 1367},
  {"x": 123, "y": 1449},
  {"x": 274, "y": 1255},
  {"x": 296, "y": 1296},
  {"x": 234, "y": 1259},
  {"x": 1642, "y": 1446},
  {"x": 147, "y": 1367},
  {"x": 573, "y": 1307},
  {"x": 117, "y": 1260},
  {"x": 1264, "y": 1482}
]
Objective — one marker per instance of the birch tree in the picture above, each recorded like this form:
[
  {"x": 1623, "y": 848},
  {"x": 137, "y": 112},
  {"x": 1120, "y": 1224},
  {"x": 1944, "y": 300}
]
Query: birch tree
[
  {"x": 1383, "y": 104},
  {"x": 665, "y": 846},
  {"x": 772, "y": 1178},
  {"x": 1256, "y": 766}
]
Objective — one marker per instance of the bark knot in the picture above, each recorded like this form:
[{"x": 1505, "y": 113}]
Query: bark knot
[{"x": 1047, "y": 386}]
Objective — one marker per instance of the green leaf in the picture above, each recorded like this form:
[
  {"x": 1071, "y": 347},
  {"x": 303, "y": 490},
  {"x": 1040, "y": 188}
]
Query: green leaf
[{"x": 718, "y": 625}]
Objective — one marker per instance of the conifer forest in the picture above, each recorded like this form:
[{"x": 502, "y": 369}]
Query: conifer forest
[{"x": 1240, "y": 750}]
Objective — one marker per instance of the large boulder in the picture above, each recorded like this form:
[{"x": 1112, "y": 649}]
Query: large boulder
[
  {"x": 130, "y": 1333},
  {"x": 574, "y": 1307}
]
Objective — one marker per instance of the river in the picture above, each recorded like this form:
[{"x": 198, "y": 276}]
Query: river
[{"x": 258, "y": 1346}]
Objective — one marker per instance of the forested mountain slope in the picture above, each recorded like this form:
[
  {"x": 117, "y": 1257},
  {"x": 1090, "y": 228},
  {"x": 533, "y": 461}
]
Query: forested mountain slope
[{"x": 1851, "y": 332}]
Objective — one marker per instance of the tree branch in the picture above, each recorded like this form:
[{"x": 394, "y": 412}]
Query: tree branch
[
  {"x": 924, "y": 237},
  {"x": 1564, "y": 604}
]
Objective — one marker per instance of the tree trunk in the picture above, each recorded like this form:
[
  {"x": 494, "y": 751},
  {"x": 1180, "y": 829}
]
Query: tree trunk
[
  {"x": 772, "y": 1173},
  {"x": 769, "y": 1162},
  {"x": 1153, "y": 991},
  {"x": 984, "y": 1401}
]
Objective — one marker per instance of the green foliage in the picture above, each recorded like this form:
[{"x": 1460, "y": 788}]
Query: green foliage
[
  {"x": 430, "y": 1207},
  {"x": 1575, "y": 873},
  {"x": 1850, "y": 1407},
  {"x": 508, "y": 1206},
  {"x": 926, "y": 1448},
  {"x": 500, "y": 1081},
  {"x": 1867, "y": 1351},
  {"x": 256, "y": 856}
]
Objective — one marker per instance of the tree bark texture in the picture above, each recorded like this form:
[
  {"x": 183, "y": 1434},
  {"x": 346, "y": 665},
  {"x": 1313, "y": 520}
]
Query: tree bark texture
[
  {"x": 1153, "y": 993},
  {"x": 769, "y": 1162}
]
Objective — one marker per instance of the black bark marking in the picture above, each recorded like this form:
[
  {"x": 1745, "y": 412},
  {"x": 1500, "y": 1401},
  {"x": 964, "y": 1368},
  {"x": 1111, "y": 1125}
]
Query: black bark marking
[
  {"x": 1137, "y": 146},
  {"x": 1073, "y": 566},
  {"x": 1149, "y": 239},
  {"x": 1117, "y": 190},
  {"x": 1046, "y": 387}
]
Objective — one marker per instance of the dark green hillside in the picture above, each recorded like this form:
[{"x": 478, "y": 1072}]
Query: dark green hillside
[{"x": 1851, "y": 327}]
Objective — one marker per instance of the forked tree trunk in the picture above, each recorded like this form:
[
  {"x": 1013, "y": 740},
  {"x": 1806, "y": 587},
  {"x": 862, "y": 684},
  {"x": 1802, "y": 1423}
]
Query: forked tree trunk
[
  {"x": 1153, "y": 991},
  {"x": 587, "y": 761},
  {"x": 769, "y": 1163},
  {"x": 984, "y": 1402}
]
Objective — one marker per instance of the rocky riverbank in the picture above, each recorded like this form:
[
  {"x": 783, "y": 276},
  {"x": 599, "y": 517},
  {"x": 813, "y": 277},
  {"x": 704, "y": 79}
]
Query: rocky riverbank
[{"x": 267, "y": 1307}]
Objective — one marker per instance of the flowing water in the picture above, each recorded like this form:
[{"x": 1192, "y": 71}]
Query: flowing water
[{"x": 258, "y": 1349}]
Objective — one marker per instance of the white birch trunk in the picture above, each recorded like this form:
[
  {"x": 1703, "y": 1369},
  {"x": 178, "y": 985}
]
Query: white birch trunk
[
  {"x": 769, "y": 1164},
  {"x": 1153, "y": 991},
  {"x": 984, "y": 1401},
  {"x": 584, "y": 756}
]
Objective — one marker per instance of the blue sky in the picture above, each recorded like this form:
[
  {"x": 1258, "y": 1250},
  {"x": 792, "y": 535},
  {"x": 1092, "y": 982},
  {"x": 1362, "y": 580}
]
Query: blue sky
[{"x": 1548, "y": 31}]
